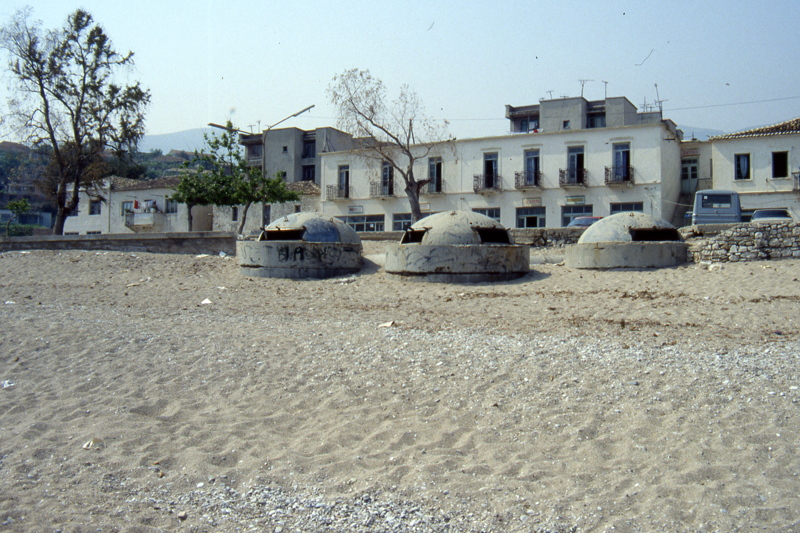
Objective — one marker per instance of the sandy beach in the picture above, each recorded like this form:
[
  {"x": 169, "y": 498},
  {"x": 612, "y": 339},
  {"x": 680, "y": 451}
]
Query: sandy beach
[{"x": 567, "y": 400}]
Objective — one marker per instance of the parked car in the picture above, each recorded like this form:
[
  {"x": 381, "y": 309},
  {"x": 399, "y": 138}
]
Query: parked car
[
  {"x": 714, "y": 206},
  {"x": 583, "y": 222},
  {"x": 771, "y": 215}
]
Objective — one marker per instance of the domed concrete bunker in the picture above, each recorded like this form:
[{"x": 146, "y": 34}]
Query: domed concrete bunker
[
  {"x": 301, "y": 245},
  {"x": 457, "y": 247},
  {"x": 633, "y": 240}
]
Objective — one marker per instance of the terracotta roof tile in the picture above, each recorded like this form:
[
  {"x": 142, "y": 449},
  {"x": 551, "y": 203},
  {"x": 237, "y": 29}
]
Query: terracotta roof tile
[{"x": 784, "y": 128}]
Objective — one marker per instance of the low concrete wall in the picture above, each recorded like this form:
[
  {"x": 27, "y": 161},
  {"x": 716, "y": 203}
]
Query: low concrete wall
[
  {"x": 751, "y": 242},
  {"x": 201, "y": 242}
]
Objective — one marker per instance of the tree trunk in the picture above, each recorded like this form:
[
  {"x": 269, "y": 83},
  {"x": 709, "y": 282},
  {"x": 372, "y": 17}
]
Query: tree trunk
[
  {"x": 189, "y": 215},
  {"x": 244, "y": 217},
  {"x": 412, "y": 191}
]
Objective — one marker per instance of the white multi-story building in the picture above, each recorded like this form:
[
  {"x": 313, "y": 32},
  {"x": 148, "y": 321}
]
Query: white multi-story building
[
  {"x": 122, "y": 205},
  {"x": 564, "y": 158},
  {"x": 762, "y": 165}
]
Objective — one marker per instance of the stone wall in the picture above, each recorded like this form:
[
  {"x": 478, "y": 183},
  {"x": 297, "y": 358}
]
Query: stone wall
[
  {"x": 541, "y": 237},
  {"x": 201, "y": 242},
  {"x": 750, "y": 242}
]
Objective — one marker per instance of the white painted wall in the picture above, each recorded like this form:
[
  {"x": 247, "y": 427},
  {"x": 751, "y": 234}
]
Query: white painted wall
[
  {"x": 655, "y": 161},
  {"x": 761, "y": 190}
]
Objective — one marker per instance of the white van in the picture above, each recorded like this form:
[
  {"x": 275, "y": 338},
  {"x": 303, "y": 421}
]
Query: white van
[{"x": 716, "y": 206}]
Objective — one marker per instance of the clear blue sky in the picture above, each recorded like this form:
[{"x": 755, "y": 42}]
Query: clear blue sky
[{"x": 725, "y": 65}]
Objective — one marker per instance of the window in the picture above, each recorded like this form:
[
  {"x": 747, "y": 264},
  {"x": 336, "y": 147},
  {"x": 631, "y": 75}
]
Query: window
[
  {"x": 344, "y": 181},
  {"x": 310, "y": 148},
  {"x": 622, "y": 162},
  {"x": 435, "y": 174},
  {"x": 127, "y": 207},
  {"x": 234, "y": 214},
  {"x": 716, "y": 201},
  {"x": 566, "y": 124},
  {"x": 401, "y": 221},
  {"x": 575, "y": 164},
  {"x": 94, "y": 233},
  {"x": 254, "y": 151},
  {"x": 365, "y": 222},
  {"x": 531, "y": 167},
  {"x": 627, "y": 207},
  {"x": 689, "y": 169},
  {"x": 309, "y": 172},
  {"x": 170, "y": 206},
  {"x": 490, "y": 170},
  {"x": 285, "y": 149},
  {"x": 741, "y": 164},
  {"x": 530, "y": 217},
  {"x": 569, "y": 212},
  {"x": 491, "y": 212},
  {"x": 297, "y": 208},
  {"x": 95, "y": 207},
  {"x": 780, "y": 165},
  {"x": 596, "y": 121},
  {"x": 387, "y": 179},
  {"x": 527, "y": 125}
]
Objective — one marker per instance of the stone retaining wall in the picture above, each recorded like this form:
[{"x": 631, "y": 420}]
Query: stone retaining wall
[
  {"x": 201, "y": 242},
  {"x": 750, "y": 242}
]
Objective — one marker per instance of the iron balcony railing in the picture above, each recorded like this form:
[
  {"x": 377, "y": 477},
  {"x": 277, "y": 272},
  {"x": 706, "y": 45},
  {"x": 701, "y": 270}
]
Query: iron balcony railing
[
  {"x": 527, "y": 180},
  {"x": 486, "y": 182},
  {"x": 334, "y": 192},
  {"x": 572, "y": 177},
  {"x": 378, "y": 189},
  {"x": 619, "y": 175},
  {"x": 433, "y": 187}
]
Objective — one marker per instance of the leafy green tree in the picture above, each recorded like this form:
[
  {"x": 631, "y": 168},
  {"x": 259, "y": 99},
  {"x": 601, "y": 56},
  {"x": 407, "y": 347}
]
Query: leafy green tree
[
  {"x": 17, "y": 208},
  {"x": 228, "y": 180},
  {"x": 65, "y": 95}
]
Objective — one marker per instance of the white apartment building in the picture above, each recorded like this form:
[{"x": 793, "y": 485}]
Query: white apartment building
[
  {"x": 762, "y": 165},
  {"x": 122, "y": 205},
  {"x": 564, "y": 158}
]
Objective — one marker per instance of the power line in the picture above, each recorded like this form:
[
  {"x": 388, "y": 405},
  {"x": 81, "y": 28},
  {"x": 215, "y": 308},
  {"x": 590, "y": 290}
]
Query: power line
[{"x": 734, "y": 103}]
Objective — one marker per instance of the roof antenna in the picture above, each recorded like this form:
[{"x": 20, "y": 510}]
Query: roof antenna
[
  {"x": 550, "y": 92},
  {"x": 605, "y": 90},
  {"x": 583, "y": 82},
  {"x": 659, "y": 101}
]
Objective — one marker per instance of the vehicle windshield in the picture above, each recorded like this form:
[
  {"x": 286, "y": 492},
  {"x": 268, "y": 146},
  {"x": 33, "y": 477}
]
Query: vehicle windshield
[{"x": 771, "y": 213}]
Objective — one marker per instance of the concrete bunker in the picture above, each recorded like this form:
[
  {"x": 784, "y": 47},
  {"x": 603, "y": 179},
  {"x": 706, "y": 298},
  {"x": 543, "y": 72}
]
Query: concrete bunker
[
  {"x": 633, "y": 240},
  {"x": 457, "y": 247},
  {"x": 301, "y": 245}
]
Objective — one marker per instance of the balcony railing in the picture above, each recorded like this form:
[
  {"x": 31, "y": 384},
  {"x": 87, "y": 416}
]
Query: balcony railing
[
  {"x": 619, "y": 175},
  {"x": 796, "y": 180},
  {"x": 150, "y": 221},
  {"x": 572, "y": 177},
  {"x": 377, "y": 189},
  {"x": 486, "y": 182},
  {"x": 527, "y": 180},
  {"x": 433, "y": 188},
  {"x": 334, "y": 192}
]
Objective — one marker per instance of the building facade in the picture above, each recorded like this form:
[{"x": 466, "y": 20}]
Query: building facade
[
  {"x": 121, "y": 205},
  {"x": 762, "y": 165},
  {"x": 552, "y": 169}
]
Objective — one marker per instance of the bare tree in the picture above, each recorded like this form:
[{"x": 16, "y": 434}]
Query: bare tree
[
  {"x": 398, "y": 133},
  {"x": 65, "y": 97}
]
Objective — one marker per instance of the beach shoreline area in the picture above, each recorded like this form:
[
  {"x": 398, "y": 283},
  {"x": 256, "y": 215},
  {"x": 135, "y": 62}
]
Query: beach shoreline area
[{"x": 567, "y": 400}]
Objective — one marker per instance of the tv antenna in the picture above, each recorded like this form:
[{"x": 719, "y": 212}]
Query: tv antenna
[
  {"x": 583, "y": 82},
  {"x": 605, "y": 89},
  {"x": 550, "y": 92},
  {"x": 659, "y": 101}
]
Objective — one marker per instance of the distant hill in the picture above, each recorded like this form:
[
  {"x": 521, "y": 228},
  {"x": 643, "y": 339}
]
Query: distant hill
[
  {"x": 188, "y": 140},
  {"x": 701, "y": 134}
]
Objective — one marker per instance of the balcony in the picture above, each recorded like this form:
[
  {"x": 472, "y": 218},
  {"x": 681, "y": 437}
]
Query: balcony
[
  {"x": 334, "y": 192},
  {"x": 572, "y": 177},
  {"x": 144, "y": 222},
  {"x": 486, "y": 183},
  {"x": 379, "y": 189},
  {"x": 619, "y": 175},
  {"x": 527, "y": 180},
  {"x": 432, "y": 188}
]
